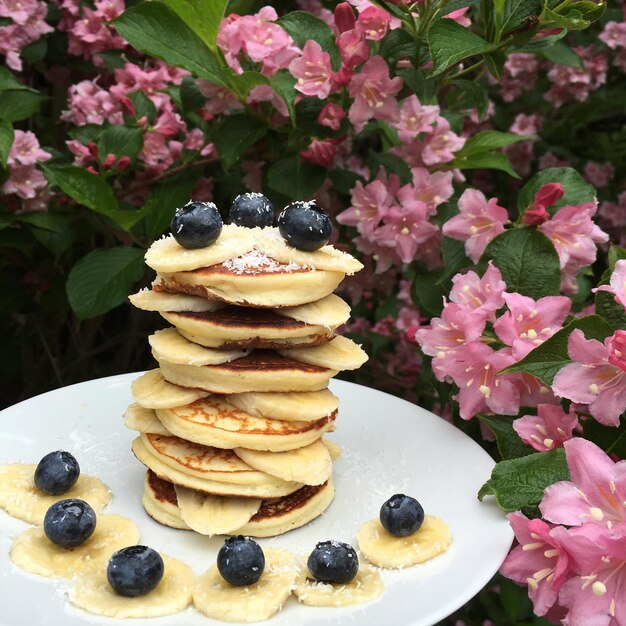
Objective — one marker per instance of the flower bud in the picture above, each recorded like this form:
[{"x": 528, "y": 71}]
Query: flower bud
[{"x": 344, "y": 17}]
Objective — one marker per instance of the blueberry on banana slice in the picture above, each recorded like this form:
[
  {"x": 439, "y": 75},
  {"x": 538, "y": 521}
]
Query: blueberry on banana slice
[
  {"x": 70, "y": 522},
  {"x": 135, "y": 571},
  {"x": 401, "y": 515},
  {"x": 240, "y": 561},
  {"x": 56, "y": 473},
  {"x": 333, "y": 562}
]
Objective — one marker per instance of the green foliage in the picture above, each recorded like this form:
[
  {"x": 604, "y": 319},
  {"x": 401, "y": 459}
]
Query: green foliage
[
  {"x": 283, "y": 83},
  {"x": 235, "y": 135},
  {"x": 202, "y": 16},
  {"x": 6, "y": 141},
  {"x": 19, "y": 104},
  {"x": 190, "y": 95},
  {"x": 510, "y": 446},
  {"x": 120, "y": 141},
  {"x": 295, "y": 179}
]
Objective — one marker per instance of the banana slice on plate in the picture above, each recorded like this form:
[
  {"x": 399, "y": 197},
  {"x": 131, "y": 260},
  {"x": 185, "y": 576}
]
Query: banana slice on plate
[
  {"x": 20, "y": 498},
  {"x": 385, "y": 550},
  {"x": 152, "y": 391},
  {"x": 35, "y": 553},
  {"x": 93, "y": 594},
  {"x": 220, "y": 600},
  {"x": 144, "y": 420},
  {"x": 366, "y": 586}
]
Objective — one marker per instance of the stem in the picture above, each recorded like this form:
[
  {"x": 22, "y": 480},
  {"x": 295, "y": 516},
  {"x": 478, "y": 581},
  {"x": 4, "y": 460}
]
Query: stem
[
  {"x": 467, "y": 70},
  {"x": 608, "y": 450}
]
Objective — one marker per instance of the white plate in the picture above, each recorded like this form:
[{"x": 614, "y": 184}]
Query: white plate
[{"x": 390, "y": 446}]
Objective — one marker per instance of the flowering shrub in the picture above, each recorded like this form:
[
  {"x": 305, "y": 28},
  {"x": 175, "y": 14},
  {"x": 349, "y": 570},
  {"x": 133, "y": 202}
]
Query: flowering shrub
[{"x": 472, "y": 155}]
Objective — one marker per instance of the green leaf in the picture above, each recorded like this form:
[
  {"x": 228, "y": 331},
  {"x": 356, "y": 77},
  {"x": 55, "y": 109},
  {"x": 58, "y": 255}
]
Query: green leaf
[
  {"x": 607, "y": 307},
  {"x": 101, "y": 280},
  {"x": 495, "y": 63},
  {"x": 303, "y": 26},
  {"x": 428, "y": 291},
  {"x": 454, "y": 258},
  {"x": 202, "y": 16},
  {"x": 488, "y": 140},
  {"x": 547, "y": 359},
  {"x": 154, "y": 29},
  {"x": 391, "y": 163},
  {"x": 398, "y": 44},
  {"x": 295, "y": 178},
  {"x": 120, "y": 141},
  {"x": 9, "y": 82},
  {"x": 424, "y": 88},
  {"x": 509, "y": 443},
  {"x": 576, "y": 189},
  {"x": 519, "y": 483},
  {"x": 470, "y": 96},
  {"x": 528, "y": 261},
  {"x": 283, "y": 83},
  {"x": 561, "y": 54},
  {"x": 242, "y": 83},
  {"x": 343, "y": 180},
  {"x": 450, "y": 43},
  {"x": 190, "y": 95},
  {"x": 616, "y": 254},
  {"x": 144, "y": 107},
  {"x": 485, "y": 161},
  {"x": 18, "y": 104},
  {"x": 511, "y": 14},
  {"x": 6, "y": 141},
  {"x": 235, "y": 135}
]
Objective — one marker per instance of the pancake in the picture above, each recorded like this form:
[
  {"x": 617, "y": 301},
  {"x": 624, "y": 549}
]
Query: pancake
[
  {"x": 261, "y": 370},
  {"x": 276, "y": 516},
  {"x": 212, "y": 421},
  {"x": 206, "y": 469}
]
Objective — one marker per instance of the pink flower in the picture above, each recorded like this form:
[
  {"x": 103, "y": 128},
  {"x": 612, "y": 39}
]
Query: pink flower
[
  {"x": 617, "y": 283},
  {"x": 321, "y": 152},
  {"x": 441, "y": 144},
  {"x": 344, "y": 17},
  {"x": 373, "y": 22},
  {"x": 264, "y": 93},
  {"x": 597, "y": 376},
  {"x": 459, "y": 16},
  {"x": 369, "y": 203},
  {"x": 547, "y": 195},
  {"x": 614, "y": 35},
  {"x": 547, "y": 430},
  {"x": 480, "y": 295},
  {"x": 474, "y": 369},
  {"x": 431, "y": 188},
  {"x": 24, "y": 181},
  {"x": 312, "y": 70},
  {"x": 353, "y": 48},
  {"x": 532, "y": 391},
  {"x": 331, "y": 116},
  {"x": 373, "y": 92},
  {"x": 539, "y": 561},
  {"x": 18, "y": 10},
  {"x": 415, "y": 118},
  {"x": 478, "y": 222},
  {"x": 598, "y": 174},
  {"x": 528, "y": 323},
  {"x": 25, "y": 149},
  {"x": 596, "y": 493}
]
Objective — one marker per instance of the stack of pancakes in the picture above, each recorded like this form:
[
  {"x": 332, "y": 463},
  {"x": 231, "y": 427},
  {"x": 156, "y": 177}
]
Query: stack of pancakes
[{"x": 232, "y": 422}]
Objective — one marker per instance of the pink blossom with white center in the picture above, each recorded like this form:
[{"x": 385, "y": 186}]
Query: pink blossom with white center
[
  {"x": 90, "y": 104},
  {"x": 264, "y": 93},
  {"x": 574, "y": 234},
  {"x": 18, "y": 10},
  {"x": 478, "y": 222},
  {"x": 415, "y": 118},
  {"x": 474, "y": 369},
  {"x": 520, "y": 74},
  {"x": 25, "y": 149},
  {"x": 528, "y": 323},
  {"x": 406, "y": 227},
  {"x": 614, "y": 35},
  {"x": 482, "y": 295},
  {"x": 373, "y": 22},
  {"x": 539, "y": 561},
  {"x": 598, "y": 174},
  {"x": 408, "y": 317},
  {"x": 441, "y": 144},
  {"x": 24, "y": 181},
  {"x": 368, "y": 205},
  {"x": 82, "y": 154},
  {"x": 384, "y": 256},
  {"x": 219, "y": 99},
  {"x": 617, "y": 283},
  {"x": 597, "y": 376},
  {"x": 353, "y": 48},
  {"x": 447, "y": 334},
  {"x": 547, "y": 430},
  {"x": 313, "y": 71},
  {"x": 525, "y": 124},
  {"x": 331, "y": 116},
  {"x": 432, "y": 188},
  {"x": 532, "y": 391},
  {"x": 320, "y": 152},
  {"x": 373, "y": 92}
]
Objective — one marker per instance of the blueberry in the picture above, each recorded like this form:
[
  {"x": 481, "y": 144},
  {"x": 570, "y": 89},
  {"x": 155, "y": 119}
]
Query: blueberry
[
  {"x": 240, "y": 561},
  {"x": 304, "y": 225},
  {"x": 401, "y": 515},
  {"x": 252, "y": 209},
  {"x": 70, "y": 522},
  {"x": 135, "y": 571},
  {"x": 56, "y": 472},
  {"x": 333, "y": 562},
  {"x": 196, "y": 225}
]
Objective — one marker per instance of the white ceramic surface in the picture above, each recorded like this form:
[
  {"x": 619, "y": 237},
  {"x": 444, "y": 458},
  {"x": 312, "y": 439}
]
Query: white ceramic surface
[{"x": 390, "y": 446}]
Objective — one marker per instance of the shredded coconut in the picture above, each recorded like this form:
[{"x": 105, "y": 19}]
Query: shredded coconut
[{"x": 255, "y": 261}]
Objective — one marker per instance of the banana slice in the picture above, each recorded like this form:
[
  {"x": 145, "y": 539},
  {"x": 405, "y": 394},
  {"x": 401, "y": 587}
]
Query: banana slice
[
  {"x": 383, "y": 549},
  {"x": 20, "y": 498},
  {"x": 220, "y": 600},
  {"x": 366, "y": 586},
  {"x": 334, "y": 450},
  {"x": 166, "y": 255},
  {"x": 144, "y": 420},
  {"x": 152, "y": 391},
  {"x": 149, "y": 300},
  {"x": 310, "y": 465},
  {"x": 214, "y": 515},
  {"x": 170, "y": 345},
  {"x": 35, "y": 553},
  {"x": 328, "y": 312},
  {"x": 93, "y": 594},
  {"x": 340, "y": 353}
]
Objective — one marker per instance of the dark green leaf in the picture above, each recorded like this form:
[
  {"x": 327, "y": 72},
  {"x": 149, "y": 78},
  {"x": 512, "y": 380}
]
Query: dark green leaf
[
  {"x": 528, "y": 261},
  {"x": 153, "y": 28},
  {"x": 120, "y": 141},
  {"x": 609, "y": 438},
  {"x": 424, "y": 88},
  {"x": 454, "y": 259},
  {"x": 295, "y": 178},
  {"x": 487, "y": 140},
  {"x": 190, "y": 95},
  {"x": 35, "y": 52},
  {"x": 576, "y": 189},
  {"x": 485, "y": 161},
  {"x": 144, "y": 107},
  {"x": 509, "y": 443},
  {"x": 6, "y": 141},
  {"x": 242, "y": 83},
  {"x": 519, "y": 483},
  {"x": 9, "y": 82},
  {"x": 561, "y": 54},
  {"x": 113, "y": 59},
  {"x": 495, "y": 63},
  {"x": 547, "y": 359},
  {"x": 343, "y": 180},
  {"x": 428, "y": 291},
  {"x": 398, "y": 44},
  {"x": 235, "y": 135},
  {"x": 455, "y": 5},
  {"x": 283, "y": 83},
  {"x": 391, "y": 163},
  {"x": 470, "y": 96},
  {"x": 102, "y": 280},
  {"x": 18, "y": 104},
  {"x": 202, "y": 16},
  {"x": 616, "y": 254},
  {"x": 303, "y": 26},
  {"x": 606, "y": 306},
  {"x": 511, "y": 14}
]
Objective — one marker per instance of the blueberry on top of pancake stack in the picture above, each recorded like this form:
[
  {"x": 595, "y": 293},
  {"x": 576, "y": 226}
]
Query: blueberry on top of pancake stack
[{"x": 232, "y": 421}]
